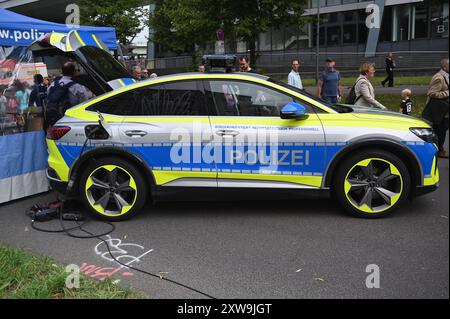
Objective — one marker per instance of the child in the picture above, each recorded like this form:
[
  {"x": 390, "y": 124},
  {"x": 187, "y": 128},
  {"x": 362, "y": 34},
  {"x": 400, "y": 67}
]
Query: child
[{"x": 406, "y": 104}]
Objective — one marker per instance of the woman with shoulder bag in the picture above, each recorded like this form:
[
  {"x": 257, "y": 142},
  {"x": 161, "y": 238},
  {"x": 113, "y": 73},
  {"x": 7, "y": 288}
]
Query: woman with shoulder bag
[{"x": 364, "y": 92}]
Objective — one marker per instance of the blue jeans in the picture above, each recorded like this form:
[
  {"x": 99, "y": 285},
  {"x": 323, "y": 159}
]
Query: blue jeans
[{"x": 330, "y": 99}]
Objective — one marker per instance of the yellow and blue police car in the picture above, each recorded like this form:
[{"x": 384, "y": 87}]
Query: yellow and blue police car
[{"x": 204, "y": 136}]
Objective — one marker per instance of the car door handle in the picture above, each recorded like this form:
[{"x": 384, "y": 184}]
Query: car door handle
[
  {"x": 135, "y": 133},
  {"x": 227, "y": 133}
]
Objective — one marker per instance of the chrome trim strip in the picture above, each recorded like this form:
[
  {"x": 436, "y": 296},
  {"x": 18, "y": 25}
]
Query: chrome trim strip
[
  {"x": 234, "y": 183},
  {"x": 192, "y": 182}
]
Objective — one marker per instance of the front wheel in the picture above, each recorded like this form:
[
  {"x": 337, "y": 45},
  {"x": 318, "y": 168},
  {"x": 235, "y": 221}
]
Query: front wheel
[
  {"x": 113, "y": 189},
  {"x": 371, "y": 183}
]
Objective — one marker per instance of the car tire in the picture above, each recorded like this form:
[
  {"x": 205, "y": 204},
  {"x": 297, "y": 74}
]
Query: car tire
[
  {"x": 371, "y": 183},
  {"x": 112, "y": 189}
]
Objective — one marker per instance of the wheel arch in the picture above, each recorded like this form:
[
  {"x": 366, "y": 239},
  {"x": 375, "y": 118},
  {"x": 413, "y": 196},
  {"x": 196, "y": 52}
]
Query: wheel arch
[
  {"x": 124, "y": 154},
  {"x": 398, "y": 149}
]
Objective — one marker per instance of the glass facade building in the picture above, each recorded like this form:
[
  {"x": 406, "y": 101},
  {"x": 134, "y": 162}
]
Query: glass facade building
[{"x": 343, "y": 24}]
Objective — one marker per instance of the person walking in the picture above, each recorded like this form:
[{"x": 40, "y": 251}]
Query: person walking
[
  {"x": 437, "y": 106},
  {"x": 329, "y": 86},
  {"x": 390, "y": 65},
  {"x": 294, "y": 77},
  {"x": 364, "y": 92}
]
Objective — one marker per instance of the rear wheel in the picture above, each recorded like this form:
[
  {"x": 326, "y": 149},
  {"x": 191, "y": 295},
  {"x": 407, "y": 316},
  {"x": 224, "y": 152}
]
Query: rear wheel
[
  {"x": 371, "y": 183},
  {"x": 113, "y": 189}
]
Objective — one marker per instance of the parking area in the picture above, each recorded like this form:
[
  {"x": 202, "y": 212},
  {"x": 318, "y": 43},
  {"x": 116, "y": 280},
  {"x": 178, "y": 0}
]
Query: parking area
[{"x": 259, "y": 249}]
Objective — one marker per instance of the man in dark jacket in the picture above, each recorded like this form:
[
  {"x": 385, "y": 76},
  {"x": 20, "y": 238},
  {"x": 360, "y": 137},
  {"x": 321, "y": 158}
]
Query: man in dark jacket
[{"x": 390, "y": 65}]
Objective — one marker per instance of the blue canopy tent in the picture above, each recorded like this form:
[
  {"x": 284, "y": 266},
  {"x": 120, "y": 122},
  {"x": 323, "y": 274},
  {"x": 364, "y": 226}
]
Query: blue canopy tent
[
  {"x": 20, "y": 31},
  {"x": 23, "y": 154}
]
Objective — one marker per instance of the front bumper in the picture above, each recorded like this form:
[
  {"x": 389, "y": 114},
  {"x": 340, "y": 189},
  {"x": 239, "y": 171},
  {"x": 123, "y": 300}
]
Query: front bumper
[{"x": 422, "y": 190}]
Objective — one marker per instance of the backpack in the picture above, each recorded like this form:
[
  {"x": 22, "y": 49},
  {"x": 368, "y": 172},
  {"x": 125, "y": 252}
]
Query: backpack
[
  {"x": 352, "y": 98},
  {"x": 57, "y": 101}
]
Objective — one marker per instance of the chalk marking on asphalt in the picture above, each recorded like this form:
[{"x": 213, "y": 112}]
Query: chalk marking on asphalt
[{"x": 116, "y": 246}]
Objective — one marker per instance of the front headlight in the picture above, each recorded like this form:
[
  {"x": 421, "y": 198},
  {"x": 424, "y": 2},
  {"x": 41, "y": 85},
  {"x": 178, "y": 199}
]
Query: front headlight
[{"x": 425, "y": 133}]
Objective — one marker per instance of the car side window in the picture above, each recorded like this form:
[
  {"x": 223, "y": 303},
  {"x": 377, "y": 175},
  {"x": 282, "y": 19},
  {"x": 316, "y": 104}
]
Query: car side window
[
  {"x": 182, "y": 98},
  {"x": 236, "y": 98},
  {"x": 121, "y": 104}
]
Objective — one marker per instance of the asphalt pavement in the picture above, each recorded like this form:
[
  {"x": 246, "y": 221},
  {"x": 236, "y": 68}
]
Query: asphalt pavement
[{"x": 259, "y": 249}]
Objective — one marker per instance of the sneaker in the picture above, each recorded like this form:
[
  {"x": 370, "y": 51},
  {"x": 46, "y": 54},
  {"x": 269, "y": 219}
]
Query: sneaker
[{"x": 442, "y": 154}]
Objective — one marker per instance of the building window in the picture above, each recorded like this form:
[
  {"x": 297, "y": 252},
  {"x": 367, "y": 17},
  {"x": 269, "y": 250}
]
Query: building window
[
  {"x": 349, "y": 35},
  {"x": 348, "y": 16},
  {"x": 321, "y": 3},
  {"x": 402, "y": 18},
  {"x": 264, "y": 41},
  {"x": 421, "y": 21},
  {"x": 332, "y": 18},
  {"x": 321, "y": 36},
  {"x": 362, "y": 15},
  {"x": 439, "y": 21},
  {"x": 277, "y": 39},
  {"x": 241, "y": 47},
  {"x": 334, "y": 35},
  {"x": 386, "y": 25},
  {"x": 362, "y": 33},
  {"x": 333, "y": 3}
]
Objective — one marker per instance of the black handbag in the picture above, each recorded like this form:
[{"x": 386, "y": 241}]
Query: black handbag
[{"x": 436, "y": 110}]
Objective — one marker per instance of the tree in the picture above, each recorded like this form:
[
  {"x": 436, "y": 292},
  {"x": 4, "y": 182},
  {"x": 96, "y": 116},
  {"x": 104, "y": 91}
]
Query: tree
[
  {"x": 127, "y": 16},
  {"x": 181, "y": 24},
  {"x": 247, "y": 19}
]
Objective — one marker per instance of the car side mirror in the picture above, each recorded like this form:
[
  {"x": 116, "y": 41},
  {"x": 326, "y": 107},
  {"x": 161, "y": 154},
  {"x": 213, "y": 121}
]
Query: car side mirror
[{"x": 295, "y": 111}]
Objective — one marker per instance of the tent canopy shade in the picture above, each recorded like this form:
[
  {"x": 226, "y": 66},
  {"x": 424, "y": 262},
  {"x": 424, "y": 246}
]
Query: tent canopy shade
[{"x": 20, "y": 30}]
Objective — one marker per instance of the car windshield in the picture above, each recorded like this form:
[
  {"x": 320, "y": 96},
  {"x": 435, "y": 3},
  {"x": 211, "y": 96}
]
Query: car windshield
[
  {"x": 303, "y": 92},
  {"x": 103, "y": 63}
]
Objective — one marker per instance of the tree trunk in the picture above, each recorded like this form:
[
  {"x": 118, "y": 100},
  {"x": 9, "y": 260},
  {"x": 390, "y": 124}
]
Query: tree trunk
[{"x": 195, "y": 60}]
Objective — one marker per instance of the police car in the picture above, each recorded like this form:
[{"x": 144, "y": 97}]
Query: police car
[
  {"x": 205, "y": 136},
  {"x": 225, "y": 136}
]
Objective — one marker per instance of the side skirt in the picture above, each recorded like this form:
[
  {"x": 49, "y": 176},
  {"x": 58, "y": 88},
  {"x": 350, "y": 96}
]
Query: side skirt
[{"x": 166, "y": 193}]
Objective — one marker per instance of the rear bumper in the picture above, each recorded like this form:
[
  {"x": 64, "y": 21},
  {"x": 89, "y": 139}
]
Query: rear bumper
[{"x": 55, "y": 182}]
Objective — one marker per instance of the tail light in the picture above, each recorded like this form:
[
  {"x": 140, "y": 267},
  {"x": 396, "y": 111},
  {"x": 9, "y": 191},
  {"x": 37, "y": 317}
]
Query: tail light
[{"x": 56, "y": 132}]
